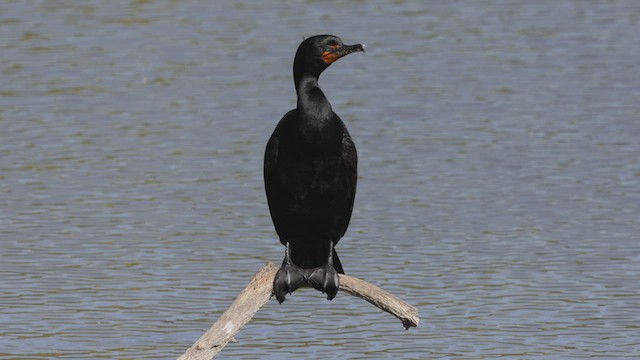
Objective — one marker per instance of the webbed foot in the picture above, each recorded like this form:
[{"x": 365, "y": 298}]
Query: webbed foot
[
  {"x": 288, "y": 278},
  {"x": 325, "y": 279}
]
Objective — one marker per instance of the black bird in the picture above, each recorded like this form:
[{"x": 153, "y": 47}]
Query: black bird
[{"x": 310, "y": 174}]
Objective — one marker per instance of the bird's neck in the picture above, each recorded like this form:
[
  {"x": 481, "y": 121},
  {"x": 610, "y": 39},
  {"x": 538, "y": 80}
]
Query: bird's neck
[{"x": 311, "y": 99}]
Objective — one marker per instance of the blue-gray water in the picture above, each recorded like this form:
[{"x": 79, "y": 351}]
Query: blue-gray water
[{"x": 499, "y": 185}]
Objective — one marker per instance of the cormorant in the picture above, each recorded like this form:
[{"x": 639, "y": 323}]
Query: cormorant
[{"x": 310, "y": 174}]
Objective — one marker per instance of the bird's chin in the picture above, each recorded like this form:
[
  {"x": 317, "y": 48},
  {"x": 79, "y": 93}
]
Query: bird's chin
[{"x": 335, "y": 54}]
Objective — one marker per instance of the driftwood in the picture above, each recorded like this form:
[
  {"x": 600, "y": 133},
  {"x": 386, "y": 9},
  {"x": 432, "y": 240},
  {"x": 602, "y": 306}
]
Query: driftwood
[{"x": 258, "y": 293}]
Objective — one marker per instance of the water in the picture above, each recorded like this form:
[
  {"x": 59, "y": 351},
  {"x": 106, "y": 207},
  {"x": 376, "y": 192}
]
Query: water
[{"x": 499, "y": 177}]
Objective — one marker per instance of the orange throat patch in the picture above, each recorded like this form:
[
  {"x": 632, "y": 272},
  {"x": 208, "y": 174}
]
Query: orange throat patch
[{"x": 330, "y": 57}]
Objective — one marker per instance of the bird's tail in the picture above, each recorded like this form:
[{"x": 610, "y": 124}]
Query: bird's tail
[
  {"x": 336, "y": 262},
  {"x": 311, "y": 257}
]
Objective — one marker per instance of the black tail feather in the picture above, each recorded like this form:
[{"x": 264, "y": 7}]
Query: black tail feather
[
  {"x": 336, "y": 262},
  {"x": 311, "y": 256},
  {"x": 307, "y": 265}
]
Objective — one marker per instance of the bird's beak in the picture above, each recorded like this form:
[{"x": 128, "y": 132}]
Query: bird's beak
[{"x": 339, "y": 51}]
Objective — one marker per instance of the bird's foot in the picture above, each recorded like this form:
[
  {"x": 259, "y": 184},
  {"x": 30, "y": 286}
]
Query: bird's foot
[
  {"x": 325, "y": 279},
  {"x": 288, "y": 279}
]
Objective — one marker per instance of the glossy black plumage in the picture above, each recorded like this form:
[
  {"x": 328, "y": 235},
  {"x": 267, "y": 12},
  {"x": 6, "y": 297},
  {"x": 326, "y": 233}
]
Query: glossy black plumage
[{"x": 310, "y": 173}]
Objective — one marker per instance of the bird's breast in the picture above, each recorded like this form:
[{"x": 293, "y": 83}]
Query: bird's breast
[{"x": 322, "y": 136}]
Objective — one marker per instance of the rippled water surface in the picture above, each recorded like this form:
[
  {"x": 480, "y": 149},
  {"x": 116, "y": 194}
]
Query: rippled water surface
[{"x": 499, "y": 185}]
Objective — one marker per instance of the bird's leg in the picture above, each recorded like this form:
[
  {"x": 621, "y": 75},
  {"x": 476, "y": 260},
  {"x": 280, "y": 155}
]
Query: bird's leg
[
  {"x": 288, "y": 278},
  {"x": 325, "y": 278}
]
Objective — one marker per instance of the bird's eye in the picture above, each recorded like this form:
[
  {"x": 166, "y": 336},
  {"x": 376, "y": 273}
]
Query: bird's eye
[{"x": 327, "y": 48}]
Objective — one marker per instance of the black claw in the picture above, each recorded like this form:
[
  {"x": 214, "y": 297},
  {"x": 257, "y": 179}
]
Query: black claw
[
  {"x": 325, "y": 279},
  {"x": 288, "y": 279}
]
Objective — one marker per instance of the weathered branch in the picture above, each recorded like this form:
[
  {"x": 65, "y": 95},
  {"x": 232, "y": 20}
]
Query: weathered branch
[{"x": 258, "y": 293}]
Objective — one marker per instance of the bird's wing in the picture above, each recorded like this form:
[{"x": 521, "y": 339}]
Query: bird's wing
[
  {"x": 350, "y": 163},
  {"x": 270, "y": 168}
]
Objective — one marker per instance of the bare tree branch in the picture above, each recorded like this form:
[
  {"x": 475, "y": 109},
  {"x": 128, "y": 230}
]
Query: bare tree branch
[{"x": 258, "y": 293}]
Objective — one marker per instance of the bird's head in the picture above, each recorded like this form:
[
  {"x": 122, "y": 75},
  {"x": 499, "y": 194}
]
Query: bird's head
[{"x": 316, "y": 53}]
